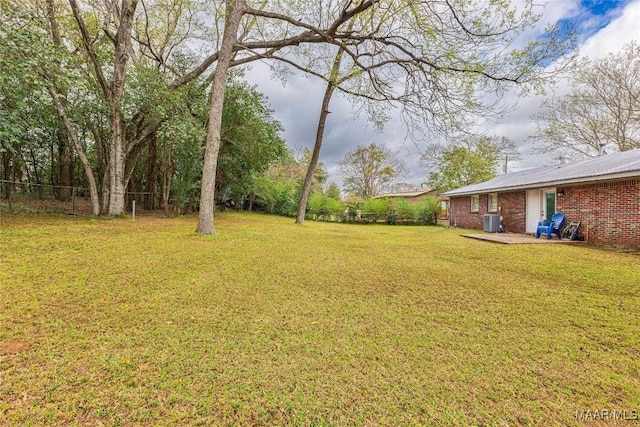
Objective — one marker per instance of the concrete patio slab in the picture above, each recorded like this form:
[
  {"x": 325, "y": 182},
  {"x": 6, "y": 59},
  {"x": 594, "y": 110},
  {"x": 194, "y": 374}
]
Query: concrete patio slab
[{"x": 516, "y": 239}]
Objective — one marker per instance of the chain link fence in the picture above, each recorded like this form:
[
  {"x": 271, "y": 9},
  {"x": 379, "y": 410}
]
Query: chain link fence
[{"x": 27, "y": 197}]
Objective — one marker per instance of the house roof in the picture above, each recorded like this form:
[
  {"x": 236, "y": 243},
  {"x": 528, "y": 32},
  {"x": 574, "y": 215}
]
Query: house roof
[
  {"x": 412, "y": 193},
  {"x": 625, "y": 164}
]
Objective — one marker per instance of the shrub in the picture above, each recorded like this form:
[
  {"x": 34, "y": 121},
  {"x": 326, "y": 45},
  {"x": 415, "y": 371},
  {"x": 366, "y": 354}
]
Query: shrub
[
  {"x": 278, "y": 197},
  {"x": 428, "y": 210},
  {"x": 287, "y": 198},
  {"x": 316, "y": 205},
  {"x": 335, "y": 207},
  {"x": 405, "y": 210},
  {"x": 378, "y": 208},
  {"x": 321, "y": 206}
]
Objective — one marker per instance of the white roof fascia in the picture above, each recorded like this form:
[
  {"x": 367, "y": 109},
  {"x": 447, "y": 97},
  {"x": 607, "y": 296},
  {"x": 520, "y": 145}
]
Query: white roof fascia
[{"x": 407, "y": 194}]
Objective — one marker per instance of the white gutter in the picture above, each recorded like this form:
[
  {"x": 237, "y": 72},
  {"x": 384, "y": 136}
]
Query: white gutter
[{"x": 608, "y": 177}]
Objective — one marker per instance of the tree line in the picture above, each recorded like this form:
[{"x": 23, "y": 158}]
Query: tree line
[{"x": 149, "y": 95}]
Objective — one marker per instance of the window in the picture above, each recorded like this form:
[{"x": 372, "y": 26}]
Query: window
[
  {"x": 492, "y": 203},
  {"x": 475, "y": 203}
]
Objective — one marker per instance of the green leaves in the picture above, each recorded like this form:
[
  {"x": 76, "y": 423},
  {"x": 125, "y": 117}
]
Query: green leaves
[
  {"x": 461, "y": 167},
  {"x": 470, "y": 160},
  {"x": 322, "y": 205},
  {"x": 369, "y": 171},
  {"x": 251, "y": 139}
]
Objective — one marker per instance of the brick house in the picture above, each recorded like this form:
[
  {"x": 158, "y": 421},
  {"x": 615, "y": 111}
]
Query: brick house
[{"x": 603, "y": 193}]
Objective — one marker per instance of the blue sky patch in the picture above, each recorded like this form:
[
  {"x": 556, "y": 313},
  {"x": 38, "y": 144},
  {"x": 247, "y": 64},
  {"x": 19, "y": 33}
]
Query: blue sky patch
[
  {"x": 601, "y": 7},
  {"x": 594, "y": 15}
]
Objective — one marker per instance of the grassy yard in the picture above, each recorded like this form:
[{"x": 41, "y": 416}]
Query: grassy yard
[{"x": 136, "y": 323}]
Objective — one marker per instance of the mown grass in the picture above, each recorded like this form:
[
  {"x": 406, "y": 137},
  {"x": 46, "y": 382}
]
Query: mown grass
[{"x": 121, "y": 322}]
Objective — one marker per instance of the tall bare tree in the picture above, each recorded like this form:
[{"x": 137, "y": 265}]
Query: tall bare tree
[
  {"x": 430, "y": 60},
  {"x": 322, "y": 121},
  {"x": 603, "y": 107},
  {"x": 369, "y": 171}
]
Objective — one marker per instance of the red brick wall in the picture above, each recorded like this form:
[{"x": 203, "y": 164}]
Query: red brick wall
[
  {"x": 460, "y": 214},
  {"x": 609, "y": 212},
  {"x": 511, "y": 206}
]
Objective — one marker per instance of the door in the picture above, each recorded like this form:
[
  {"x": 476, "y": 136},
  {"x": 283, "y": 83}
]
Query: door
[
  {"x": 534, "y": 207},
  {"x": 549, "y": 204},
  {"x": 541, "y": 205}
]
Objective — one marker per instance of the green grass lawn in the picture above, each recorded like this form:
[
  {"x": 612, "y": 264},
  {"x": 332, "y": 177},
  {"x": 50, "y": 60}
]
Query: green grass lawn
[{"x": 121, "y": 322}]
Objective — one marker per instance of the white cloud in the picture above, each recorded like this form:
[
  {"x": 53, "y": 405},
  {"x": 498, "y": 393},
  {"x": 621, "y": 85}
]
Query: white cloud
[{"x": 620, "y": 30}]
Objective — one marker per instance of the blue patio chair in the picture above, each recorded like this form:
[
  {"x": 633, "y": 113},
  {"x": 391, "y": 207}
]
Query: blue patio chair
[{"x": 551, "y": 227}]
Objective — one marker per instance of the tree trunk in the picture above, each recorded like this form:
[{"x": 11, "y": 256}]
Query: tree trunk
[
  {"x": 105, "y": 191},
  {"x": 117, "y": 178},
  {"x": 65, "y": 171},
  {"x": 116, "y": 164},
  {"x": 167, "y": 174},
  {"x": 93, "y": 189},
  {"x": 234, "y": 12},
  {"x": 151, "y": 174},
  {"x": 166, "y": 190},
  {"x": 100, "y": 169},
  {"x": 113, "y": 92},
  {"x": 132, "y": 192},
  {"x": 322, "y": 121},
  {"x": 315, "y": 156},
  {"x": 34, "y": 161},
  {"x": 6, "y": 168}
]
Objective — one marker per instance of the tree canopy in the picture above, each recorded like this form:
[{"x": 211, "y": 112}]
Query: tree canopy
[{"x": 471, "y": 160}]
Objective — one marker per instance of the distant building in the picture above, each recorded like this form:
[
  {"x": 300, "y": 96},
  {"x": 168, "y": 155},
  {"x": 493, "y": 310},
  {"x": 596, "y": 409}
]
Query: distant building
[{"x": 412, "y": 196}]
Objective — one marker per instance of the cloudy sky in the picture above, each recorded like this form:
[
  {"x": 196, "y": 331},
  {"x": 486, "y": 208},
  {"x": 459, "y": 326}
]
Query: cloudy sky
[{"x": 604, "y": 26}]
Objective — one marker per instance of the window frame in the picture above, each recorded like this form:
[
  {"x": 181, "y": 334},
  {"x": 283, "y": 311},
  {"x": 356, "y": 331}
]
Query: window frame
[
  {"x": 475, "y": 203},
  {"x": 490, "y": 197}
]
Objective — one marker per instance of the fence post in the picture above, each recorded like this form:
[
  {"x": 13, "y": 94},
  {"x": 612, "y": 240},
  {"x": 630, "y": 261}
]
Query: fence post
[{"x": 133, "y": 213}]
